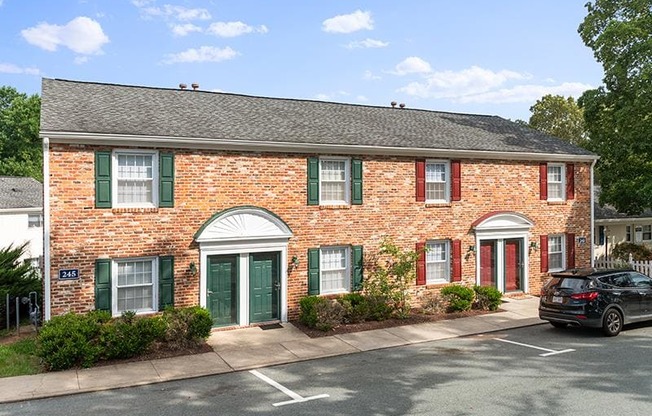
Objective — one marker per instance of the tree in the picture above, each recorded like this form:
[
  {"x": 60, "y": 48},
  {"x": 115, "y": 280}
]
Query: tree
[
  {"x": 17, "y": 278},
  {"x": 20, "y": 147},
  {"x": 618, "y": 115},
  {"x": 560, "y": 117}
]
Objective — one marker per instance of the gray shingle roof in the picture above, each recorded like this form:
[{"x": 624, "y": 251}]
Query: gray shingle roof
[
  {"x": 83, "y": 107},
  {"x": 18, "y": 192}
]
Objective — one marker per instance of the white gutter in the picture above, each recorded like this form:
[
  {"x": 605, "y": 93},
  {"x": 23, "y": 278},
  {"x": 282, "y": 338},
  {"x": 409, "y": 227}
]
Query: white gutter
[
  {"x": 592, "y": 214},
  {"x": 20, "y": 210},
  {"x": 289, "y": 147},
  {"x": 46, "y": 228}
]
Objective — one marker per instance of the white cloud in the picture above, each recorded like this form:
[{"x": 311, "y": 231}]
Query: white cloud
[
  {"x": 412, "y": 65},
  {"x": 185, "y": 29},
  {"x": 170, "y": 11},
  {"x": 370, "y": 76},
  {"x": 367, "y": 43},
  {"x": 79, "y": 60},
  {"x": 82, "y": 35},
  {"x": 233, "y": 29},
  {"x": 15, "y": 69},
  {"x": 451, "y": 84},
  {"x": 203, "y": 54},
  {"x": 526, "y": 93},
  {"x": 348, "y": 23},
  {"x": 332, "y": 96}
]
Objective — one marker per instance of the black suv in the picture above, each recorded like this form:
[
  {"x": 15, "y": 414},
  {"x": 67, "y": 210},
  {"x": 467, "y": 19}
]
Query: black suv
[{"x": 596, "y": 298}]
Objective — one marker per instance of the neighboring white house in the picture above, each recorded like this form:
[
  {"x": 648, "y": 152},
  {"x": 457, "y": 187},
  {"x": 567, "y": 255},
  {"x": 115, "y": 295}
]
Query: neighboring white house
[
  {"x": 21, "y": 215},
  {"x": 613, "y": 227}
]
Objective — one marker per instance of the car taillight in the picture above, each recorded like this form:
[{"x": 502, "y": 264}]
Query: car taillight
[{"x": 588, "y": 296}]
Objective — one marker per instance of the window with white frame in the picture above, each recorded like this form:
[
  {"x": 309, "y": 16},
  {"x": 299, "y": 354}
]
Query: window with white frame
[
  {"x": 437, "y": 181},
  {"x": 135, "y": 178},
  {"x": 647, "y": 232},
  {"x": 34, "y": 220},
  {"x": 334, "y": 181},
  {"x": 335, "y": 274},
  {"x": 437, "y": 262},
  {"x": 556, "y": 179},
  {"x": 628, "y": 233},
  {"x": 134, "y": 289},
  {"x": 556, "y": 252}
]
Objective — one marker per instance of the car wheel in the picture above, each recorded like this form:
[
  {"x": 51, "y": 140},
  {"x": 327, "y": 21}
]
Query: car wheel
[
  {"x": 559, "y": 324},
  {"x": 612, "y": 323}
]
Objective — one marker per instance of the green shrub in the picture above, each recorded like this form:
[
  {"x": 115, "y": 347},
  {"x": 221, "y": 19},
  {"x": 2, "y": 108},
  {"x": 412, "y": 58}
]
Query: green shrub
[
  {"x": 186, "y": 327},
  {"x": 639, "y": 252},
  {"x": 330, "y": 314},
  {"x": 433, "y": 303},
  {"x": 129, "y": 336},
  {"x": 70, "y": 340},
  {"x": 459, "y": 298},
  {"x": 356, "y": 307},
  {"x": 308, "y": 314},
  {"x": 487, "y": 298},
  {"x": 379, "y": 307}
]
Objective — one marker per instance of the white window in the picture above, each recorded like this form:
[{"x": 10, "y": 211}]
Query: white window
[
  {"x": 556, "y": 252},
  {"x": 437, "y": 181},
  {"x": 34, "y": 220},
  {"x": 556, "y": 179},
  {"x": 647, "y": 232},
  {"x": 437, "y": 262},
  {"x": 135, "y": 285},
  {"x": 334, "y": 181},
  {"x": 335, "y": 274},
  {"x": 136, "y": 173}
]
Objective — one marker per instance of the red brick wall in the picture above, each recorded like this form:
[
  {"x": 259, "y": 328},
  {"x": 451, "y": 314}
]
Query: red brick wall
[{"x": 207, "y": 182}]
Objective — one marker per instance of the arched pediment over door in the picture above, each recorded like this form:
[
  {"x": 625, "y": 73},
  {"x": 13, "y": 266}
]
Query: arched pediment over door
[{"x": 243, "y": 223}]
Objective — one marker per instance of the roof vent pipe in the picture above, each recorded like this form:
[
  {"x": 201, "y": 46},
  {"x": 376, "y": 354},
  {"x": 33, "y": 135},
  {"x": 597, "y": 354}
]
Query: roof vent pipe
[
  {"x": 402, "y": 105},
  {"x": 393, "y": 103},
  {"x": 183, "y": 86},
  {"x": 195, "y": 86}
]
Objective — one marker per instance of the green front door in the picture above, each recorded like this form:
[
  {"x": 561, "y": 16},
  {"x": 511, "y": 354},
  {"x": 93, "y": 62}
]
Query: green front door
[
  {"x": 264, "y": 287},
  {"x": 222, "y": 289}
]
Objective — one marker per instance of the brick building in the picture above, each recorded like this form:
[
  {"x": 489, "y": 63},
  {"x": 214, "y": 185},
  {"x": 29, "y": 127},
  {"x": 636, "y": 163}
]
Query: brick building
[{"x": 246, "y": 204}]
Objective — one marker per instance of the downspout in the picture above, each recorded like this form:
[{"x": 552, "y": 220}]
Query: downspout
[
  {"x": 593, "y": 215},
  {"x": 46, "y": 228}
]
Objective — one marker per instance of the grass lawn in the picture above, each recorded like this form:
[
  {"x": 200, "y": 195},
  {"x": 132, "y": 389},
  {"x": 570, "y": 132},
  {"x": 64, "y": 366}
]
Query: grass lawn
[{"x": 19, "y": 358}]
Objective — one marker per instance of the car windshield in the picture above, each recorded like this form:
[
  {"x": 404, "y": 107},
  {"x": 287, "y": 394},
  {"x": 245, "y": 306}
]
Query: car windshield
[{"x": 574, "y": 283}]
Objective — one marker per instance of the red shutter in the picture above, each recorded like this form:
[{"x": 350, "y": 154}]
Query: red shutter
[
  {"x": 570, "y": 250},
  {"x": 457, "y": 261},
  {"x": 543, "y": 181},
  {"x": 456, "y": 175},
  {"x": 544, "y": 253},
  {"x": 421, "y": 263},
  {"x": 570, "y": 181},
  {"x": 421, "y": 180}
]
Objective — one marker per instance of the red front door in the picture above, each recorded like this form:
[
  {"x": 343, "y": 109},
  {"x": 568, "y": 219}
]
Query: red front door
[
  {"x": 513, "y": 264},
  {"x": 488, "y": 263}
]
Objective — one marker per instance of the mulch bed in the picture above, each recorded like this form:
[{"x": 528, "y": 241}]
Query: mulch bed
[{"x": 416, "y": 317}]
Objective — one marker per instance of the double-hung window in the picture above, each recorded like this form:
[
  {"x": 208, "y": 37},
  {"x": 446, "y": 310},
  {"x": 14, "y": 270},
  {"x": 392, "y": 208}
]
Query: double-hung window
[
  {"x": 556, "y": 252},
  {"x": 647, "y": 232},
  {"x": 335, "y": 273},
  {"x": 437, "y": 181},
  {"x": 135, "y": 286},
  {"x": 136, "y": 178},
  {"x": 437, "y": 262},
  {"x": 34, "y": 220},
  {"x": 556, "y": 185},
  {"x": 334, "y": 181}
]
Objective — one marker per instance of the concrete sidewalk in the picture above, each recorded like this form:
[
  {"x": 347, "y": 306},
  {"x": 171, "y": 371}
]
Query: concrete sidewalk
[{"x": 249, "y": 348}]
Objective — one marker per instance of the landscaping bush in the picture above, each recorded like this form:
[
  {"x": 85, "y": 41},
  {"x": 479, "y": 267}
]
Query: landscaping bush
[
  {"x": 433, "y": 303},
  {"x": 459, "y": 298},
  {"x": 487, "y": 298},
  {"x": 186, "y": 327},
  {"x": 356, "y": 307},
  {"x": 129, "y": 336},
  {"x": 379, "y": 307},
  {"x": 308, "y": 314},
  {"x": 639, "y": 252},
  {"x": 330, "y": 314}
]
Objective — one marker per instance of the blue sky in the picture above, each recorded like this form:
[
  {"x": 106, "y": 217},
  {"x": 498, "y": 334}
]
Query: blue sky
[{"x": 473, "y": 56}]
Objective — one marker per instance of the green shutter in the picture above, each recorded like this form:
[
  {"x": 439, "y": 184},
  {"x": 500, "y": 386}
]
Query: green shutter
[
  {"x": 166, "y": 180},
  {"x": 313, "y": 271},
  {"x": 165, "y": 282},
  {"x": 357, "y": 267},
  {"x": 313, "y": 181},
  {"x": 356, "y": 182},
  {"x": 103, "y": 285},
  {"x": 102, "y": 179}
]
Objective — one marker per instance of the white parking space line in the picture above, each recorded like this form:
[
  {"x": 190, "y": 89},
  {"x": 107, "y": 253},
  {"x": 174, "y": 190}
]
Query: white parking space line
[
  {"x": 547, "y": 354},
  {"x": 295, "y": 397}
]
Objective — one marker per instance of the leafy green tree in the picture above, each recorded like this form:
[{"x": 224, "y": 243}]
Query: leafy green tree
[
  {"x": 17, "y": 278},
  {"x": 20, "y": 147},
  {"x": 560, "y": 117},
  {"x": 618, "y": 115}
]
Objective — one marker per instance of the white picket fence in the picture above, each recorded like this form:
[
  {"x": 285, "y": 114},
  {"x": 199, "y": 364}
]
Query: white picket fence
[{"x": 644, "y": 267}]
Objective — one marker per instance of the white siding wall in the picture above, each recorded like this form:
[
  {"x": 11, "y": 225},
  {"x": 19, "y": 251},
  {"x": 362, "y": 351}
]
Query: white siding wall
[{"x": 14, "y": 230}]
